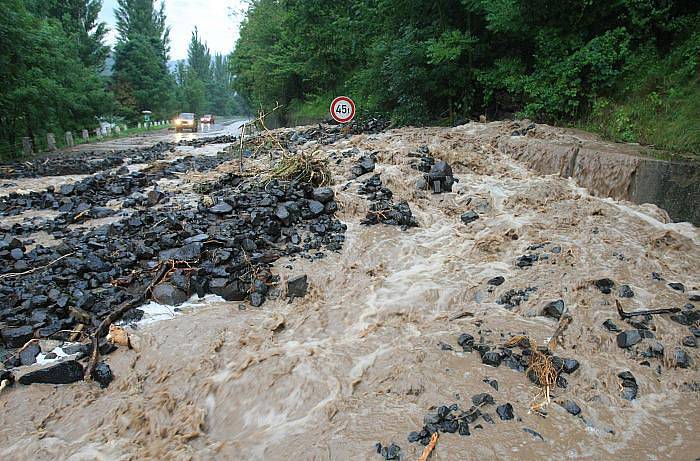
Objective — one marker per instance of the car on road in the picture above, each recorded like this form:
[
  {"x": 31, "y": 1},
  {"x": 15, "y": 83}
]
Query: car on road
[
  {"x": 186, "y": 121},
  {"x": 209, "y": 118}
]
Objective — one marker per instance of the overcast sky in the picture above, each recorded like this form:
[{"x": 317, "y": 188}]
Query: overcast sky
[{"x": 217, "y": 26}]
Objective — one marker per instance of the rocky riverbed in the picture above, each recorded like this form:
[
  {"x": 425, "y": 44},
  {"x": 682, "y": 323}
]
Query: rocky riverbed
[{"x": 436, "y": 287}]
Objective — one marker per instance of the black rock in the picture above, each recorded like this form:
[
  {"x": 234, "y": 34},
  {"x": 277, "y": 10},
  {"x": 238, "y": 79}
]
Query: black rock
[
  {"x": 570, "y": 365},
  {"x": 677, "y": 286},
  {"x": 483, "y": 398},
  {"x": 465, "y": 340},
  {"x": 392, "y": 452},
  {"x": 80, "y": 350},
  {"x": 297, "y": 286},
  {"x": 196, "y": 238},
  {"x": 491, "y": 382},
  {"x": 102, "y": 374},
  {"x": 188, "y": 252},
  {"x": 463, "y": 428},
  {"x": 571, "y": 407},
  {"x": 681, "y": 358},
  {"x": 681, "y": 318},
  {"x": 15, "y": 337},
  {"x": 154, "y": 197},
  {"x": 469, "y": 216},
  {"x": 323, "y": 194},
  {"x": 316, "y": 208},
  {"x": 694, "y": 297},
  {"x": 440, "y": 177},
  {"x": 491, "y": 358},
  {"x": 449, "y": 426},
  {"x": 487, "y": 417},
  {"x": 414, "y": 437},
  {"x": 282, "y": 213},
  {"x": 256, "y": 299},
  {"x": 17, "y": 254},
  {"x": 165, "y": 293},
  {"x": 229, "y": 290},
  {"x": 690, "y": 341},
  {"x": 625, "y": 292},
  {"x": 646, "y": 334},
  {"x": 65, "y": 372},
  {"x": 611, "y": 326},
  {"x": 605, "y": 285},
  {"x": 496, "y": 281},
  {"x": 481, "y": 348},
  {"x": 6, "y": 375},
  {"x": 526, "y": 260},
  {"x": 628, "y": 338},
  {"x": 505, "y": 411},
  {"x": 221, "y": 208},
  {"x": 629, "y": 385},
  {"x": 67, "y": 189},
  {"x": 695, "y": 331},
  {"x": 554, "y": 309},
  {"x": 29, "y": 353},
  {"x": 514, "y": 363}
]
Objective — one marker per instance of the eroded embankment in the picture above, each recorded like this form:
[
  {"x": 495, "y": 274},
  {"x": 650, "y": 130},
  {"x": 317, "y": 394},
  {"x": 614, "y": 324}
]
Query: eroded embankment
[
  {"x": 619, "y": 171},
  {"x": 372, "y": 349}
]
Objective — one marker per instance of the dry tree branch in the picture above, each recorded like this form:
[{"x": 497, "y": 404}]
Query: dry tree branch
[
  {"x": 17, "y": 274},
  {"x": 252, "y": 124}
]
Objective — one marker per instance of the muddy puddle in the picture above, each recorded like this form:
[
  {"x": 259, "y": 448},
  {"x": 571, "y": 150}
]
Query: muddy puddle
[{"x": 358, "y": 360}]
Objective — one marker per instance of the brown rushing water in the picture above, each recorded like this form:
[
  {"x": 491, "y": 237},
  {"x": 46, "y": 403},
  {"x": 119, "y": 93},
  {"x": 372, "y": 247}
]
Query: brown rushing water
[{"x": 356, "y": 362}]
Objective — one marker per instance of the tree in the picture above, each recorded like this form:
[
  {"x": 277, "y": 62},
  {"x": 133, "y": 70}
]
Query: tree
[
  {"x": 79, "y": 19},
  {"x": 199, "y": 57},
  {"x": 141, "y": 77},
  {"x": 44, "y": 84}
]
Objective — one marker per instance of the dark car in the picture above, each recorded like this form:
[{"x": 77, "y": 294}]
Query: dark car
[{"x": 186, "y": 121}]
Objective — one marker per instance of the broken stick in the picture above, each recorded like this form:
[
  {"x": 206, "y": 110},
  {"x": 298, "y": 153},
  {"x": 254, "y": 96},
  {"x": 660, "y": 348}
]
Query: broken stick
[
  {"x": 429, "y": 448},
  {"x": 627, "y": 315},
  {"x": 103, "y": 329}
]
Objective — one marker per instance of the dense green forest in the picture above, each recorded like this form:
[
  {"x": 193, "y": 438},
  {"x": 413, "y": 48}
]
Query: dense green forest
[
  {"x": 627, "y": 69},
  {"x": 52, "y": 57}
]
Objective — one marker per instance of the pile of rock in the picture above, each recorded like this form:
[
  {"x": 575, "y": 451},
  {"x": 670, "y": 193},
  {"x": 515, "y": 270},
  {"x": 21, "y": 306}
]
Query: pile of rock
[
  {"x": 450, "y": 419},
  {"x": 366, "y": 165},
  {"x": 223, "y": 248},
  {"x": 369, "y": 125},
  {"x": 383, "y": 209}
]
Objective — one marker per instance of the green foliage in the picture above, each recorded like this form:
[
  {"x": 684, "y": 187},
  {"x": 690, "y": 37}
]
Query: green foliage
[
  {"x": 141, "y": 77},
  {"x": 44, "y": 83},
  {"x": 205, "y": 85},
  {"x": 422, "y": 61}
]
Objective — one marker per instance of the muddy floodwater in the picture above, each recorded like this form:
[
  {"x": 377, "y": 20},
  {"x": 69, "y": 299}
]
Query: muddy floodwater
[{"x": 361, "y": 358}]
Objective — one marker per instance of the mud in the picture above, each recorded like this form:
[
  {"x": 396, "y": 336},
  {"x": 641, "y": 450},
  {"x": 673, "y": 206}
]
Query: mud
[{"x": 357, "y": 361}]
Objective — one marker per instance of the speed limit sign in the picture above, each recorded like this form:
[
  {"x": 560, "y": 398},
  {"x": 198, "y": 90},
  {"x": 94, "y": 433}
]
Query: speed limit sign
[{"x": 342, "y": 109}]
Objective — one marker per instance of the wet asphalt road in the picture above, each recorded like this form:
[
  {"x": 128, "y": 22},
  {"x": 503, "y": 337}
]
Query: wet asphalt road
[{"x": 141, "y": 140}]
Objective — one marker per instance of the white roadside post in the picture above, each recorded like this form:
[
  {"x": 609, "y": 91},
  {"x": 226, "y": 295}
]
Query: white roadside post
[
  {"x": 27, "y": 147},
  {"x": 86, "y": 135},
  {"x": 51, "y": 141},
  {"x": 117, "y": 130},
  {"x": 69, "y": 139},
  {"x": 98, "y": 133}
]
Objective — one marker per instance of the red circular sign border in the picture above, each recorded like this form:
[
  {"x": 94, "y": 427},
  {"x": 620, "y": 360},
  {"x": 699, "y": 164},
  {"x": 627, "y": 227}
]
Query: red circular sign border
[{"x": 337, "y": 100}]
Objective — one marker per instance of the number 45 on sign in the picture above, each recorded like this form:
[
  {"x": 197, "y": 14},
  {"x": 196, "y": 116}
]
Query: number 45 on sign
[{"x": 342, "y": 109}]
